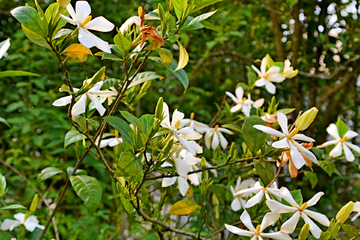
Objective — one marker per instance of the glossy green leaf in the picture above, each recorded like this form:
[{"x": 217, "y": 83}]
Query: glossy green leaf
[
  {"x": 3, "y": 120},
  {"x": 327, "y": 166},
  {"x": 133, "y": 120},
  {"x": 121, "y": 126},
  {"x": 312, "y": 178},
  {"x": 198, "y": 19},
  {"x": 30, "y": 18},
  {"x": 265, "y": 171},
  {"x": 122, "y": 43},
  {"x": 110, "y": 82},
  {"x": 35, "y": 38},
  {"x": 11, "y": 73},
  {"x": 129, "y": 165},
  {"x": 44, "y": 24},
  {"x": 69, "y": 171},
  {"x": 200, "y": 4},
  {"x": 4, "y": 46},
  {"x": 95, "y": 79},
  {"x": 72, "y": 137},
  {"x": 12, "y": 207},
  {"x": 254, "y": 138},
  {"x": 178, "y": 7},
  {"x": 3, "y": 186},
  {"x": 341, "y": 127},
  {"x": 180, "y": 74},
  {"x": 351, "y": 231},
  {"x": 88, "y": 189},
  {"x": 143, "y": 77},
  {"x": 48, "y": 173}
]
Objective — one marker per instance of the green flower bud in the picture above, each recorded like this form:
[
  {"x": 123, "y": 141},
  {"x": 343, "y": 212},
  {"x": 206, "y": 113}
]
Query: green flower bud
[
  {"x": 304, "y": 232},
  {"x": 34, "y": 203},
  {"x": 306, "y": 119},
  {"x": 344, "y": 212},
  {"x": 159, "y": 108},
  {"x": 63, "y": 3}
]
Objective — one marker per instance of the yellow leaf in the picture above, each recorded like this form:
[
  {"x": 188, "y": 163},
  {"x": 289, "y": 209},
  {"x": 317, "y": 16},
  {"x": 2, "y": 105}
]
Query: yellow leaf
[
  {"x": 183, "y": 59},
  {"x": 77, "y": 51},
  {"x": 165, "y": 55},
  {"x": 183, "y": 207},
  {"x": 190, "y": 191},
  {"x": 153, "y": 46},
  {"x": 140, "y": 10}
]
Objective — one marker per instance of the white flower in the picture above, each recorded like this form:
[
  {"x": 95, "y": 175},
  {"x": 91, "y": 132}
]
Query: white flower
[
  {"x": 197, "y": 126},
  {"x": 341, "y": 143},
  {"x": 137, "y": 20},
  {"x": 288, "y": 141},
  {"x": 30, "y": 223},
  {"x": 111, "y": 142},
  {"x": 243, "y": 103},
  {"x": 356, "y": 209},
  {"x": 266, "y": 77},
  {"x": 239, "y": 200},
  {"x": 288, "y": 71},
  {"x": 217, "y": 137},
  {"x": 257, "y": 233},
  {"x": 82, "y": 19},
  {"x": 299, "y": 211},
  {"x": 80, "y": 106},
  {"x": 182, "y": 135},
  {"x": 259, "y": 192}
]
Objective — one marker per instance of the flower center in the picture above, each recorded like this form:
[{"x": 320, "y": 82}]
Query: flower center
[
  {"x": 303, "y": 206},
  {"x": 86, "y": 20},
  {"x": 293, "y": 133},
  {"x": 116, "y": 134},
  {"x": 216, "y": 127},
  {"x": 258, "y": 230},
  {"x": 192, "y": 115},
  {"x": 177, "y": 124},
  {"x": 243, "y": 100},
  {"x": 344, "y": 139}
]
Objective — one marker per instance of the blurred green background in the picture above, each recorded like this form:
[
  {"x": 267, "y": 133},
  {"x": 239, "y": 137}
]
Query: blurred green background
[{"x": 321, "y": 38}]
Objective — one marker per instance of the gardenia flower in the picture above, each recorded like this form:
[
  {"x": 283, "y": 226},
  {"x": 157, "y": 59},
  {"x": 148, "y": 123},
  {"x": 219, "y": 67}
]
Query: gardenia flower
[
  {"x": 183, "y": 134},
  {"x": 80, "y": 106},
  {"x": 260, "y": 192},
  {"x": 288, "y": 71},
  {"x": 341, "y": 143},
  {"x": 269, "y": 119},
  {"x": 286, "y": 158},
  {"x": 197, "y": 126},
  {"x": 257, "y": 233},
  {"x": 82, "y": 19},
  {"x": 239, "y": 200},
  {"x": 137, "y": 20},
  {"x": 266, "y": 77},
  {"x": 217, "y": 137},
  {"x": 288, "y": 141},
  {"x": 243, "y": 103},
  {"x": 111, "y": 142},
  {"x": 30, "y": 223},
  {"x": 356, "y": 209},
  {"x": 299, "y": 211}
]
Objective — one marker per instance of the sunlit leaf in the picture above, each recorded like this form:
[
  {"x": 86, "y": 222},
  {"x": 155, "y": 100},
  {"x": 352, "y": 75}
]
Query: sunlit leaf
[
  {"x": 48, "y": 173},
  {"x": 77, "y": 51},
  {"x": 183, "y": 59},
  {"x": 183, "y": 207}
]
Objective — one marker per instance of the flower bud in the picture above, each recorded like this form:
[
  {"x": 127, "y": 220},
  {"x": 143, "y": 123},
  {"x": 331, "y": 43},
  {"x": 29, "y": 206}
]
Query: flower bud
[
  {"x": 63, "y": 3},
  {"x": 306, "y": 119},
  {"x": 344, "y": 212},
  {"x": 304, "y": 232},
  {"x": 159, "y": 108},
  {"x": 34, "y": 203}
]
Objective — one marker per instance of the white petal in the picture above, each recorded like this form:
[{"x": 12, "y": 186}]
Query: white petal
[
  {"x": 275, "y": 206},
  {"x": 246, "y": 220},
  {"x": 290, "y": 225},
  {"x": 269, "y": 219},
  {"x": 261, "y": 82},
  {"x": 99, "y": 107},
  {"x": 336, "y": 151},
  {"x": 200, "y": 127},
  {"x": 236, "y": 108},
  {"x": 100, "y": 24},
  {"x": 239, "y": 231},
  {"x": 83, "y": 10},
  {"x": 194, "y": 178},
  {"x": 307, "y": 153},
  {"x": 72, "y": 12},
  {"x": 332, "y": 142},
  {"x": 353, "y": 147},
  {"x": 356, "y": 207},
  {"x": 283, "y": 143},
  {"x": 296, "y": 157},
  {"x": 105, "y": 142},
  {"x": 277, "y": 236},
  {"x": 189, "y": 134},
  {"x": 314, "y": 229},
  {"x": 314, "y": 199},
  {"x": 246, "y": 110},
  {"x": 351, "y": 134},
  {"x": 85, "y": 39},
  {"x": 233, "y": 97},
  {"x": 277, "y": 77},
  {"x": 62, "y": 101},
  {"x": 283, "y": 122},
  {"x": 80, "y": 106},
  {"x": 302, "y": 137},
  {"x": 273, "y": 70},
  {"x": 9, "y": 224},
  {"x": 321, "y": 218},
  {"x": 215, "y": 141},
  {"x": 287, "y": 63},
  {"x": 269, "y": 130},
  {"x": 263, "y": 66},
  {"x": 182, "y": 168},
  {"x": 258, "y": 103},
  {"x": 115, "y": 142},
  {"x": 235, "y": 204},
  {"x": 256, "y": 70},
  {"x": 255, "y": 199},
  {"x": 183, "y": 185},
  {"x": 177, "y": 116},
  {"x": 207, "y": 137},
  {"x": 248, "y": 191},
  {"x": 31, "y": 223},
  {"x": 355, "y": 217},
  {"x": 20, "y": 217},
  {"x": 270, "y": 87},
  {"x": 127, "y": 24},
  {"x": 348, "y": 154},
  {"x": 223, "y": 141},
  {"x": 332, "y": 130},
  {"x": 224, "y": 130},
  {"x": 69, "y": 20},
  {"x": 168, "y": 181},
  {"x": 99, "y": 43},
  {"x": 166, "y": 121},
  {"x": 245, "y": 184},
  {"x": 285, "y": 193},
  {"x": 239, "y": 92}
]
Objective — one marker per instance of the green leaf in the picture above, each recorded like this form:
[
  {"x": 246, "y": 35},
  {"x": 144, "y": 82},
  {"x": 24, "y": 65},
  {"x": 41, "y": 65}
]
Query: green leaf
[
  {"x": 254, "y": 138},
  {"x": 109, "y": 56},
  {"x": 122, "y": 43},
  {"x": 4, "y": 46},
  {"x": 143, "y": 77},
  {"x": 95, "y": 79},
  {"x": 209, "y": 25},
  {"x": 351, "y": 231},
  {"x": 13, "y": 206},
  {"x": 42, "y": 17},
  {"x": 72, "y": 137},
  {"x": 35, "y": 38},
  {"x": 184, "y": 57},
  {"x": 163, "y": 19},
  {"x": 183, "y": 207},
  {"x": 48, "y": 173},
  {"x": 88, "y": 189},
  {"x": 12, "y": 73},
  {"x": 327, "y": 166},
  {"x": 180, "y": 74},
  {"x": 30, "y": 18},
  {"x": 121, "y": 126},
  {"x": 200, "y": 4},
  {"x": 3, "y": 120},
  {"x": 265, "y": 171},
  {"x": 110, "y": 82},
  {"x": 312, "y": 178},
  {"x": 128, "y": 207},
  {"x": 198, "y": 19},
  {"x": 296, "y": 194},
  {"x": 252, "y": 76},
  {"x": 165, "y": 55},
  {"x": 285, "y": 110},
  {"x": 178, "y": 7},
  {"x": 129, "y": 165},
  {"x": 341, "y": 127},
  {"x": 3, "y": 186},
  {"x": 69, "y": 171},
  {"x": 133, "y": 120},
  {"x": 232, "y": 127}
]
